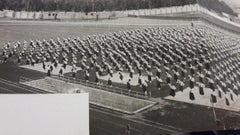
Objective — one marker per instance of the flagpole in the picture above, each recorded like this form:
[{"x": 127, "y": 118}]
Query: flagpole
[
  {"x": 214, "y": 112},
  {"x": 215, "y": 116}
]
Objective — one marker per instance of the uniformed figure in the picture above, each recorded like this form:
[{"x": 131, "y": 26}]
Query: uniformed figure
[
  {"x": 56, "y": 63},
  {"x": 27, "y": 60},
  {"x": 97, "y": 78},
  {"x": 51, "y": 68},
  {"x": 129, "y": 85},
  {"x": 100, "y": 71},
  {"x": 109, "y": 82},
  {"x": 201, "y": 88},
  {"x": 60, "y": 72},
  {"x": 213, "y": 98},
  {"x": 181, "y": 85},
  {"x": 64, "y": 64},
  {"x": 19, "y": 59},
  {"x": 74, "y": 73},
  {"x": 219, "y": 94},
  {"x": 111, "y": 73},
  {"x": 211, "y": 84},
  {"x": 191, "y": 95},
  {"x": 140, "y": 71},
  {"x": 231, "y": 96},
  {"x": 144, "y": 87},
  {"x": 5, "y": 58},
  {"x": 120, "y": 76},
  {"x": 87, "y": 75},
  {"x": 131, "y": 74},
  {"x": 158, "y": 73},
  {"x": 192, "y": 24},
  {"x": 149, "y": 76},
  {"x": 201, "y": 76},
  {"x": 168, "y": 79},
  {"x": 49, "y": 72},
  {"x": 207, "y": 65},
  {"x": 140, "y": 80},
  {"x": 192, "y": 70},
  {"x": 183, "y": 73},
  {"x": 32, "y": 62},
  {"x": 176, "y": 74},
  {"x": 191, "y": 82},
  {"x": 227, "y": 101},
  {"x": 172, "y": 90},
  {"x": 159, "y": 83}
]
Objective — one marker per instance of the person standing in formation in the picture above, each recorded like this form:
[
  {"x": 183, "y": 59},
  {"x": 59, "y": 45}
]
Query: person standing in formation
[
  {"x": 129, "y": 85},
  {"x": 109, "y": 82},
  {"x": 61, "y": 72},
  {"x": 97, "y": 78},
  {"x": 159, "y": 83},
  {"x": 121, "y": 76}
]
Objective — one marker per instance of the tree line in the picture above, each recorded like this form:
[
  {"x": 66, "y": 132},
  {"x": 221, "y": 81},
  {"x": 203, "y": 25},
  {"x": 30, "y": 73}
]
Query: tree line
[
  {"x": 88, "y": 5},
  {"x": 105, "y": 5}
]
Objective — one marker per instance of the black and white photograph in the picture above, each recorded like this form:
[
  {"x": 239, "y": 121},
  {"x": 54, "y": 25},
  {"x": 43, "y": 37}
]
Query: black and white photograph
[{"x": 119, "y": 67}]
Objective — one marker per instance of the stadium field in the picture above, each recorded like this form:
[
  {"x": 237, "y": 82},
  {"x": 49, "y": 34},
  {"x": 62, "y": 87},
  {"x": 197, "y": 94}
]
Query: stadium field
[
  {"x": 165, "y": 118},
  {"x": 102, "y": 122},
  {"x": 12, "y": 31}
]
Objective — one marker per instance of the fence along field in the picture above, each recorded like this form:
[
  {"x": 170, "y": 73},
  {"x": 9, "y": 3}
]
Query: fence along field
[
  {"x": 97, "y": 95},
  {"x": 49, "y": 15}
]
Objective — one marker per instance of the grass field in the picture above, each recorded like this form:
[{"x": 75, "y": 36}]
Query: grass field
[
  {"x": 19, "y": 31},
  {"x": 164, "y": 118}
]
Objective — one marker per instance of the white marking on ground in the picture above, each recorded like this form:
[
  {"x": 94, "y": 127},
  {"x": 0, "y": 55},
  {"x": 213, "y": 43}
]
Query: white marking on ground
[
  {"x": 126, "y": 77},
  {"x": 205, "y": 99},
  {"x": 139, "y": 121},
  {"x": 16, "y": 86},
  {"x": 39, "y": 67}
]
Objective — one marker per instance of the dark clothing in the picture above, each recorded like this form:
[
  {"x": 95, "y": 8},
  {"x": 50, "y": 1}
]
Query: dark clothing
[
  {"x": 144, "y": 88},
  {"x": 55, "y": 64},
  {"x": 231, "y": 96},
  {"x": 227, "y": 102},
  {"x": 51, "y": 68},
  {"x": 211, "y": 85},
  {"x": 201, "y": 91},
  {"x": 158, "y": 74},
  {"x": 74, "y": 74},
  {"x": 220, "y": 94},
  {"x": 121, "y": 77},
  {"x": 86, "y": 77},
  {"x": 149, "y": 78},
  {"x": 213, "y": 99},
  {"x": 61, "y": 72},
  {"x": 175, "y": 77},
  {"x": 181, "y": 88},
  {"x": 109, "y": 82},
  {"x": 172, "y": 92},
  {"x": 128, "y": 86},
  {"x": 131, "y": 74},
  {"x": 44, "y": 66},
  {"x": 191, "y": 96},
  {"x": 139, "y": 81},
  {"x": 158, "y": 84},
  {"x": 96, "y": 80},
  {"x": 168, "y": 80},
  {"x": 49, "y": 72},
  {"x": 191, "y": 84},
  {"x": 64, "y": 66}
]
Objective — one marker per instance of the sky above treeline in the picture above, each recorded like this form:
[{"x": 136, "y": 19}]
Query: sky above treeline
[{"x": 235, "y": 4}]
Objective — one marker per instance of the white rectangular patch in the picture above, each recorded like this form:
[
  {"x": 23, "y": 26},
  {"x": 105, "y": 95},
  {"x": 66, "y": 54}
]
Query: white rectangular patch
[{"x": 44, "y": 114}]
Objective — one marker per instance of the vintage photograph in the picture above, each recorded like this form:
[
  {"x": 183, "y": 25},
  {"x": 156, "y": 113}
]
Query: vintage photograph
[{"x": 119, "y": 67}]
